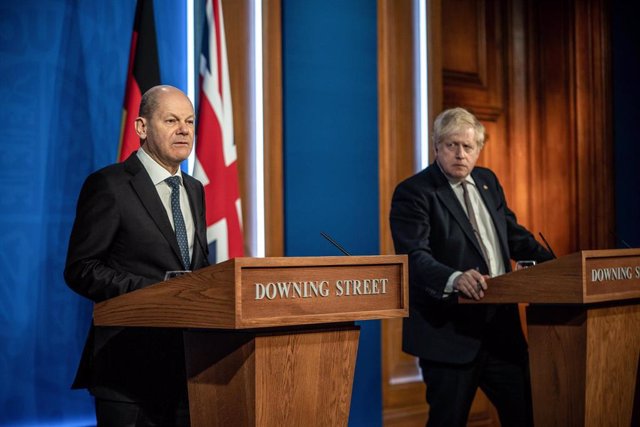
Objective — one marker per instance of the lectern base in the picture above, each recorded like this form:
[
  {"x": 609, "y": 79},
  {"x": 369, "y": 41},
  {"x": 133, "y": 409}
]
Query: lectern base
[
  {"x": 584, "y": 364},
  {"x": 272, "y": 377}
]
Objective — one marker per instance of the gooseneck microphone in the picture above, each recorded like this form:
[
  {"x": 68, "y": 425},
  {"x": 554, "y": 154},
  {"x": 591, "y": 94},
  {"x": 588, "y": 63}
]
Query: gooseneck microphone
[
  {"x": 547, "y": 245},
  {"x": 334, "y": 243},
  {"x": 615, "y": 236}
]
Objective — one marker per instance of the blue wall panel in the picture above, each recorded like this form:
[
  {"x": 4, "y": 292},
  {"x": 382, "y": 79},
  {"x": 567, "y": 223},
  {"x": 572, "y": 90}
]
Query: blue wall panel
[
  {"x": 331, "y": 151},
  {"x": 626, "y": 111},
  {"x": 63, "y": 70}
]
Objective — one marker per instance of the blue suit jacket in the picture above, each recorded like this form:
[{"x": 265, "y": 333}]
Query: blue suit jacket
[
  {"x": 122, "y": 240},
  {"x": 429, "y": 224}
]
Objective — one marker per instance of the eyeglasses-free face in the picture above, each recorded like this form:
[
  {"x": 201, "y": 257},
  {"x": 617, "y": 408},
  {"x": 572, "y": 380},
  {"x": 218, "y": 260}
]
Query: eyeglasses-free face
[{"x": 458, "y": 153}]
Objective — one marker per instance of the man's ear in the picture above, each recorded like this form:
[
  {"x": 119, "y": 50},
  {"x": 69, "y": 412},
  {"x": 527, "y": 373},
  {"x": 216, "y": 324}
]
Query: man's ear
[{"x": 141, "y": 127}]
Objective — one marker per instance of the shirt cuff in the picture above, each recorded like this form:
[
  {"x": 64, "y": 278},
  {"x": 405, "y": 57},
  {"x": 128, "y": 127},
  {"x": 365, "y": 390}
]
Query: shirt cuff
[{"x": 448, "y": 288}]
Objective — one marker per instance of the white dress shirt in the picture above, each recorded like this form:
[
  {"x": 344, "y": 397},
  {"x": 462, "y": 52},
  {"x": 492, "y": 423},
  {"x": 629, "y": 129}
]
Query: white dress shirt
[
  {"x": 486, "y": 229},
  {"x": 158, "y": 175}
]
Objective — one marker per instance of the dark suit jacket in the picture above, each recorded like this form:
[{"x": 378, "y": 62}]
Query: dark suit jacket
[
  {"x": 122, "y": 240},
  {"x": 429, "y": 224}
]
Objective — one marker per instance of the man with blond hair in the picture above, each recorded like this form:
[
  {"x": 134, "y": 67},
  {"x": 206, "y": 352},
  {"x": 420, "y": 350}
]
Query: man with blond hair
[{"x": 453, "y": 221}]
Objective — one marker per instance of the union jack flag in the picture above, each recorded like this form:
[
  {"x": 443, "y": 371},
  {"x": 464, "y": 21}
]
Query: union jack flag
[{"x": 216, "y": 157}]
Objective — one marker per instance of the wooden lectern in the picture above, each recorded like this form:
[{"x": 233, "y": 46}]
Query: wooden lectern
[
  {"x": 583, "y": 323},
  {"x": 269, "y": 341}
]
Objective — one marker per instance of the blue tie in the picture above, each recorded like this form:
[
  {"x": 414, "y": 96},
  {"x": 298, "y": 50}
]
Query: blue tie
[{"x": 178, "y": 220}]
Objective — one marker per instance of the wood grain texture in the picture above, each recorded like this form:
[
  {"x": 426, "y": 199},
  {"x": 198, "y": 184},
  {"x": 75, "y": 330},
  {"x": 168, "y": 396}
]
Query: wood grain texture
[
  {"x": 557, "y": 357},
  {"x": 594, "y": 125},
  {"x": 570, "y": 102},
  {"x": 537, "y": 73},
  {"x": 584, "y": 362},
  {"x": 613, "y": 353},
  {"x": 223, "y": 295},
  {"x": 220, "y": 378},
  {"x": 556, "y": 281},
  {"x": 402, "y": 386},
  {"x": 239, "y": 35},
  {"x": 567, "y": 280},
  {"x": 238, "y": 32},
  {"x": 320, "y": 291},
  {"x": 272, "y": 378},
  {"x": 396, "y": 104},
  {"x": 202, "y": 299},
  {"x": 272, "y": 69},
  {"x": 306, "y": 378},
  {"x": 623, "y": 268}
]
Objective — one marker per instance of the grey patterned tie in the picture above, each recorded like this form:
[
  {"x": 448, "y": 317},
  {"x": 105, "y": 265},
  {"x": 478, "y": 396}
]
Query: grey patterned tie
[
  {"x": 474, "y": 223},
  {"x": 178, "y": 220}
]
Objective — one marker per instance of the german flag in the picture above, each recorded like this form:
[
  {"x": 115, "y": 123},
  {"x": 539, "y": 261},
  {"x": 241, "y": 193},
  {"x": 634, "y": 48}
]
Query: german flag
[{"x": 142, "y": 74}]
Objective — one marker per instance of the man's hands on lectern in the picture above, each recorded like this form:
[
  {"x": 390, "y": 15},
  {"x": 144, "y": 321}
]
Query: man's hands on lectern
[{"x": 471, "y": 284}]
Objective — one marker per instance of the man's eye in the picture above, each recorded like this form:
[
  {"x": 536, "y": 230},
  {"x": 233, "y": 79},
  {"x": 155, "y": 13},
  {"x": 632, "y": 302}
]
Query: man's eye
[{"x": 170, "y": 120}]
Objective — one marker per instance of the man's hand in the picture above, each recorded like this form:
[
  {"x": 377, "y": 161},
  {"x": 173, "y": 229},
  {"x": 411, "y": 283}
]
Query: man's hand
[{"x": 471, "y": 284}]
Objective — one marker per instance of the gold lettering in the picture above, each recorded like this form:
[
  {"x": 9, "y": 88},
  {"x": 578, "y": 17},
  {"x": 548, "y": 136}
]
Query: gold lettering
[{"x": 384, "y": 285}]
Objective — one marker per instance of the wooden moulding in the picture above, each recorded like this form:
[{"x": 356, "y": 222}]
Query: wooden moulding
[{"x": 247, "y": 293}]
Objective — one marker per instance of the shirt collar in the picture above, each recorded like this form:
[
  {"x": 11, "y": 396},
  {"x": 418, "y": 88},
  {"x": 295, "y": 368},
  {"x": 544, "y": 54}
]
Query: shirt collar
[
  {"x": 157, "y": 173},
  {"x": 455, "y": 184}
]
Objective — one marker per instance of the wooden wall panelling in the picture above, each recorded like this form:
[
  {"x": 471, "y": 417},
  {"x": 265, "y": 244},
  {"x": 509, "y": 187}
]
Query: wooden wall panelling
[
  {"x": 403, "y": 390},
  {"x": 537, "y": 73},
  {"x": 474, "y": 57},
  {"x": 594, "y": 125},
  {"x": 396, "y": 104},
  {"x": 571, "y": 116},
  {"x": 402, "y": 387},
  {"x": 238, "y": 18},
  {"x": 272, "y": 71},
  {"x": 554, "y": 83},
  {"x": 522, "y": 155},
  {"x": 238, "y": 32},
  {"x": 475, "y": 73}
]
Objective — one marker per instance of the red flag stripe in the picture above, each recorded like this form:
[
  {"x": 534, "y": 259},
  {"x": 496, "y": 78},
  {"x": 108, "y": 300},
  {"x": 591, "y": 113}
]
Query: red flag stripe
[
  {"x": 216, "y": 157},
  {"x": 143, "y": 72}
]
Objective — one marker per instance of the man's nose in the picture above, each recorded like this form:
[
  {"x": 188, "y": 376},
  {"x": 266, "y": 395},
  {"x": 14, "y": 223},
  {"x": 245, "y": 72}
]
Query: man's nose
[
  {"x": 459, "y": 150},
  {"x": 183, "y": 128}
]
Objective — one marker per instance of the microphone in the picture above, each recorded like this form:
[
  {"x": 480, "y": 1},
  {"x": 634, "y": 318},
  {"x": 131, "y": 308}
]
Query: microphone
[
  {"x": 334, "y": 243},
  {"x": 547, "y": 245},
  {"x": 615, "y": 236},
  {"x": 626, "y": 244}
]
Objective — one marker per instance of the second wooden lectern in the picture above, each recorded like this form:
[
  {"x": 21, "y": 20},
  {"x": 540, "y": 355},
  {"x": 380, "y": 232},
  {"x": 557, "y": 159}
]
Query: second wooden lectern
[
  {"x": 583, "y": 323},
  {"x": 269, "y": 341}
]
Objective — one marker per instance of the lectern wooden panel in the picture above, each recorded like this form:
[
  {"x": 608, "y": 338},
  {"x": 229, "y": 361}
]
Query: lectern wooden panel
[
  {"x": 269, "y": 341},
  {"x": 583, "y": 323}
]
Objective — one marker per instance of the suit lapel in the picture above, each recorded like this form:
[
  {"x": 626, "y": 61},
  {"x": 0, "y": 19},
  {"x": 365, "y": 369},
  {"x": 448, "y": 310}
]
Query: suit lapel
[
  {"x": 142, "y": 185},
  {"x": 450, "y": 201},
  {"x": 200, "y": 238}
]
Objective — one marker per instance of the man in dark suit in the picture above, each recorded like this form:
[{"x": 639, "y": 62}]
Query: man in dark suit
[
  {"x": 453, "y": 221},
  {"x": 136, "y": 221}
]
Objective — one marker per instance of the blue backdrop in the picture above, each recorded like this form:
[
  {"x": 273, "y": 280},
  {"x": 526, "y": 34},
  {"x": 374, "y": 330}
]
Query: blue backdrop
[
  {"x": 331, "y": 151},
  {"x": 626, "y": 112},
  {"x": 63, "y": 71}
]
